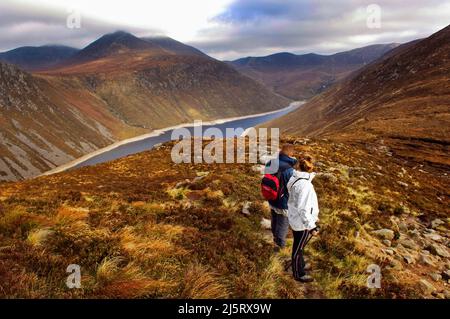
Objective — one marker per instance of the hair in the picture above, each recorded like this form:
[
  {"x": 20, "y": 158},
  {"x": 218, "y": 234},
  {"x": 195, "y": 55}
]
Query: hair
[
  {"x": 305, "y": 164},
  {"x": 286, "y": 148}
]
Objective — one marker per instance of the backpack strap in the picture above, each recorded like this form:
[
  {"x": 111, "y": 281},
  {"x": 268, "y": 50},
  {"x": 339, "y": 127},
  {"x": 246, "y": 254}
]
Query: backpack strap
[{"x": 298, "y": 180}]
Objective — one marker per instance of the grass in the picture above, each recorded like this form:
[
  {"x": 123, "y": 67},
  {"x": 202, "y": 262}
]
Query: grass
[{"x": 136, "y": 234}]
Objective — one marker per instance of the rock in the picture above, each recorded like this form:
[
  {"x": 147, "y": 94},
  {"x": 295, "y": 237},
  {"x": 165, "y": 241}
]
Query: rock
[
  {"x": 384, "y": 233},
  {"x": 266, "y": 224},
  {"x": 434, "y": 237},
  {"x": 408, "y": 243},
  {"x": 436, "y": 223},
  {"x": 396, "y": 265},
  {"x": 389, "y": 251},
  {"x": 246, "y": 208},
  {"x": 447, "y": 294},
  {"x": 409, "y": 259},
  {"x": 436, "y": 276},
  {"x": 182, "y": 184},
  {"x": 200, "y": 176},
  {"x": 259, "y": 169},
  {"x": 446, "y": 274},
  {"x": 426, "y": 260},
  {"x": 402, "y": 184},
  {"x": 438, "y": 250},
  {"x": 438, "y": 295},
  {"x": 426, "y": 287},
  {"x": 403, "y": 226},
  {"x": 387, "y": 242},
  {"x": 329, "y": 177}
]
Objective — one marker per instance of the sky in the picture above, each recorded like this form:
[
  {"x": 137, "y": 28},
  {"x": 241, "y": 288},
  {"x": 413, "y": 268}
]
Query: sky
[{"x": 225, "y": 29}]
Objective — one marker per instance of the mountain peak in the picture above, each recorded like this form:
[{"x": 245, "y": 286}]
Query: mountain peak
[{"x": 113, "y": 43}]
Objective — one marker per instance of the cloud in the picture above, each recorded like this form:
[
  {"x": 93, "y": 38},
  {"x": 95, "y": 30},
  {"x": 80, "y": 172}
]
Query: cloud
[
  {"x": 260, "y": 27},
  {"x": 33, "y": 25},
  {"x": 226, "y": 29}
]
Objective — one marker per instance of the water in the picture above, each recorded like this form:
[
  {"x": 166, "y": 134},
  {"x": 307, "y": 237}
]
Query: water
[{"x": 148, "y": 143}]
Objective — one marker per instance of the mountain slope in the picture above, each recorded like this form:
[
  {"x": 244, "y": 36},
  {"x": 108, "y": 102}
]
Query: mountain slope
[
  {"x": 37, "y": 58},
  {"x": 150, "y": 87},
  {"x": 174, "y": 46},
  {"x": 404, "y": 98},
  {"x": 303, "y": 76},
  {"x": 142, "y": 227},
  {"x": 118, "y": 87},
  {"x": 43, "y": 125}
]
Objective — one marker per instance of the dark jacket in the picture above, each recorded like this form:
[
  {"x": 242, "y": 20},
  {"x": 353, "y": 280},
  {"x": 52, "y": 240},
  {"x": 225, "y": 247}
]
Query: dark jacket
[{"x": 285, "y": 165}]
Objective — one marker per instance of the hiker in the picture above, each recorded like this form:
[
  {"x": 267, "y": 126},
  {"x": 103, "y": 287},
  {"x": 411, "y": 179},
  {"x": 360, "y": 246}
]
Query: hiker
[
  {"x": 303, "y": 213},
  {"x": 275, "y": 184}
]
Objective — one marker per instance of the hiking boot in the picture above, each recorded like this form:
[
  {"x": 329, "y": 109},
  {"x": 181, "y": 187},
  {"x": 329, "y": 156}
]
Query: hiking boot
[{"x": 305, "y": 279}]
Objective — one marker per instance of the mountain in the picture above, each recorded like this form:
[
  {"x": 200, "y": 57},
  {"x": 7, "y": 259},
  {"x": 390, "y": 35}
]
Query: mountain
[
  {"x": 117, "y": 87},
  {"x": 113, "y": 44},
  {"x": 303, "y": 76},
  {"x": 37, "y": 58},
  {"x": 174, "y": 46},
  {"x": 402, "y": 100},
  {"x": 44, "y": 125},
  {"x": 150, "y": 87}
]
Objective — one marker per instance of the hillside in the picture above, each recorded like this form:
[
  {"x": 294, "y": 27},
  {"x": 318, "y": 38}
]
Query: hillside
[
  {"x": 302, "y": 76},
  {"x": 143, "y": 227},
  {"x": 117, "y": 87},
  {"x": 174, "y": 46},
  {"x": 43, "y": 126},
  {"x": 149, "y": 87},
  {"x": 403, "y": 102},
  {"x": 37, "y": 58}
]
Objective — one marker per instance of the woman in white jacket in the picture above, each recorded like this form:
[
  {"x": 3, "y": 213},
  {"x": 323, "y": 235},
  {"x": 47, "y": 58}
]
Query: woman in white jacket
[{"x": 303, "y": 213}]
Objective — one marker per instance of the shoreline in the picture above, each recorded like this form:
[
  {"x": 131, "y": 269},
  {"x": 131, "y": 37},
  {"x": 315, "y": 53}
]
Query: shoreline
[{"x": 158, "y": 132}]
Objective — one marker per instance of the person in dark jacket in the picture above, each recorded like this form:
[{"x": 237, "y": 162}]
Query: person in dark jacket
[{"x": 279, "y": 208}]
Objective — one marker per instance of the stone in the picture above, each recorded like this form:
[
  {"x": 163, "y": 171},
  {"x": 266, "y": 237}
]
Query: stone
[
  {"x": 426, "y": 287},
  {"x": 446, "y": 274},
  {"x": 438, "y": 295},
  {"x": 403, "y": 226},
  {"x": 409, "y": 259},
  {"x": 389, "y": 251},
  {"x": 387, "y": 242},
  {"x": 434, "y": 237},
  {"x": 436, "y": 276},
  {"x": 396, "y": 265},
  {"x": 447, "y": 294},
  {"x": 439, "y": 250},
  {"x": 259, "y": 169},
  {"x": 408, "y": 243},
  {"x": 266, "y": 224},
  {"x": 384, "y": 233},
  {"x": 402, "y": 184},
  {"x": 246, "y": 208},
  {"x": 426, "y": 260},
  {"x": 182, "y": 184},
  {"x": 436, "y": 223},
  {"x": 329, "y": 177}
]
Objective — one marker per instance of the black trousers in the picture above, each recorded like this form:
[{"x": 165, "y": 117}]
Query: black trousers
[{"x": 298, "y": 261}]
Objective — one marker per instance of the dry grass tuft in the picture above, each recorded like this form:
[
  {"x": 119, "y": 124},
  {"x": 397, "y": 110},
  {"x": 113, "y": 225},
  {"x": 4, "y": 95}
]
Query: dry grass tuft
[{"x": 199, "y": 283}]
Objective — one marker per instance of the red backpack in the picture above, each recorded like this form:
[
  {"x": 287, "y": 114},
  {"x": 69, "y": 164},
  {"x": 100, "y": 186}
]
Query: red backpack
[{"x": 271, "y": 185}]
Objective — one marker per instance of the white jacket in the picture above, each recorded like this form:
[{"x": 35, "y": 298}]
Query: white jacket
[{"x": 303, "y": 208}]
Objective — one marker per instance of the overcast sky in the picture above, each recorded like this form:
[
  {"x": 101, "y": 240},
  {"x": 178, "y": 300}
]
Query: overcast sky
[{"x": 226, "y": 29}]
